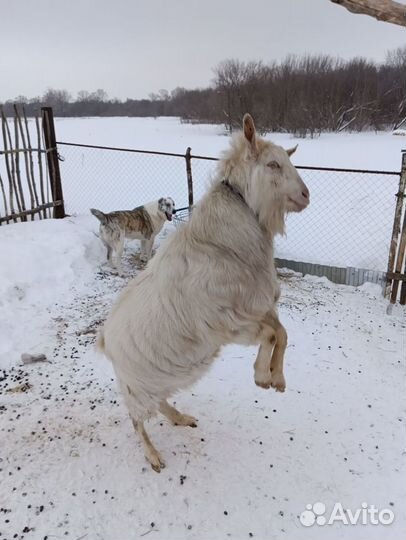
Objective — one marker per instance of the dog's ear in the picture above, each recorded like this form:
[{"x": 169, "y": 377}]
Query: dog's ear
[{"x": 250, "y": 133}]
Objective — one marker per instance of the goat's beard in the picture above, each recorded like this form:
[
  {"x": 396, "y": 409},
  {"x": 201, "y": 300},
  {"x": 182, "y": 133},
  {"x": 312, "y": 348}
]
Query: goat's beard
[{"x": 271, "y": 212}]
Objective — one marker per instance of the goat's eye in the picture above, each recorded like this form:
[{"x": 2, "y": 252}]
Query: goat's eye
[{"x": 273, "y": 165}]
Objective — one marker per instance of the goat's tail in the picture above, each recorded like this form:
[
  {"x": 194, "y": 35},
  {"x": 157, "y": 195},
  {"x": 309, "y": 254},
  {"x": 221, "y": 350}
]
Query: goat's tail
[{"x": 99, "y": 215}]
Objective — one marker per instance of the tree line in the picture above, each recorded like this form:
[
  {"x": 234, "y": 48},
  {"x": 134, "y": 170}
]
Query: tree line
[{"x": 301, "y": 95}]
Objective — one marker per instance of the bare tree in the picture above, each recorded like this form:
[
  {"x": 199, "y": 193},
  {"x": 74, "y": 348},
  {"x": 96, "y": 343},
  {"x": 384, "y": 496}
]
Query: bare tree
[
  {"x": 305, "y": 95},
  {"x": 99, "y": 95},
  {"x": 382, "y": 10}
]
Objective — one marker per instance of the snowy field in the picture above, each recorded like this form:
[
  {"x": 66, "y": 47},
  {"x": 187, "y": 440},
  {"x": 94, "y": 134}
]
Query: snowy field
[
  {"x": 71, "y": 466},
  {"x": 368, "y": 150},
  {"x": 349, "y": 221}
]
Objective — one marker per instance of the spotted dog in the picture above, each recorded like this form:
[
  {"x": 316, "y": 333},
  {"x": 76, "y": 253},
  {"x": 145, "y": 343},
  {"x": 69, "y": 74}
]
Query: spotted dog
[{"x": 142, "y": 223}]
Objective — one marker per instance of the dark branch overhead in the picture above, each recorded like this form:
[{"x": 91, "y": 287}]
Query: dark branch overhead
[{"x": 382, "y": 10}]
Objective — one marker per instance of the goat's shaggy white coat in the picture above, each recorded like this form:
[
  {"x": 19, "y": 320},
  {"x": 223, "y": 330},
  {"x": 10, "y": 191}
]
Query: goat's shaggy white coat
[{"x": 211, "y": 283}]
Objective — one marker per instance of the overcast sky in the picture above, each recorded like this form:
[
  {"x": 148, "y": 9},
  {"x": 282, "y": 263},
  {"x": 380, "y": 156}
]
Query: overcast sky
[{"x": 133, "y": 47}]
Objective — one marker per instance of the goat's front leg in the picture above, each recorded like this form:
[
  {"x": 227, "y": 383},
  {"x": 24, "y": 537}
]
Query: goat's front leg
[
  {"x": 262, "y": 365},
  {"x": 281, "y": 341},
  {"x": 269, "y": 362}
]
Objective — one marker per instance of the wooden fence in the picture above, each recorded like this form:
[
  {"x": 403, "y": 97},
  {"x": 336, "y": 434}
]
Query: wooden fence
[
  {"x": 396, "y": 273},
  {"x": 30, "y": 182}
]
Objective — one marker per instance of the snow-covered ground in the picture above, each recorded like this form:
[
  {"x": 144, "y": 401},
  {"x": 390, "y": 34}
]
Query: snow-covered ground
[
  {"x": 71, "y": 466},
  {"x": 366, "y": 150}
]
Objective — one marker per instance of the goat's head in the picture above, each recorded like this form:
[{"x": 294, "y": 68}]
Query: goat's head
[{"x": 265, "y": 176}]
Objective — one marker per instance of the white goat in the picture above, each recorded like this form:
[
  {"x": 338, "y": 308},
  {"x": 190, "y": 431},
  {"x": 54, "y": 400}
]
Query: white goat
[{"x": 211, "y": 283}]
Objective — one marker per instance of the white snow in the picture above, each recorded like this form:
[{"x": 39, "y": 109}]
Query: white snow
[
  {"x": 72, "y": 467},
  {"x": 365, "y": 150}
]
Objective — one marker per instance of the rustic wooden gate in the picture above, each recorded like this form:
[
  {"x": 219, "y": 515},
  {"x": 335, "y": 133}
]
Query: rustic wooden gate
[
  {"x": 396, "y": 274},
  {"x": 30, "y": 182}
]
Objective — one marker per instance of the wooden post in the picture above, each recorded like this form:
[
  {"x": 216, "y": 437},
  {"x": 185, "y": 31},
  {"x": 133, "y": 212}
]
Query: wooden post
[
  {"x": 403, "y": 289},
  {"x": 396, "y": 222},
  {"x": 399, "y": 262},
  {"x": 30, "y": 181},
  {"x": 10, "y": 167},
  {"x": 40, "y": 168},
  {"x": 188, "y": 158},
  {"x": 48, "y": 128}
]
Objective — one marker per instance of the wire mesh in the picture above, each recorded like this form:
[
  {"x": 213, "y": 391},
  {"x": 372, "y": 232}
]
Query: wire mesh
[
  {"x": 347, "y": 224},
  {"x": 181, "y": 217},
  {"x": 115, "y": 180}
]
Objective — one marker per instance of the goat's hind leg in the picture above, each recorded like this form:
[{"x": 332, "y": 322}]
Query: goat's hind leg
[
  {"x": 176, "y": 417},
  {"x": 151, "y": 453}
]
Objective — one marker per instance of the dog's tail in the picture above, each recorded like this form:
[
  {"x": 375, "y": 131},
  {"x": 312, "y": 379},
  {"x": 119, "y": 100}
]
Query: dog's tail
[{"x": 99, "y": 215}]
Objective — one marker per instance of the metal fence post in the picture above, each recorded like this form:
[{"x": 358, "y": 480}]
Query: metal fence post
[
  {"x": 48, "y": 127},
  {"x": 400, "y": 195},
  {"x": 188, "y": 159}
]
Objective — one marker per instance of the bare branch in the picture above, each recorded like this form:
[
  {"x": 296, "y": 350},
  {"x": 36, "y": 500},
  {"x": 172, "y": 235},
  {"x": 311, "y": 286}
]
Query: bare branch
[{"x": 382, "y": 10}]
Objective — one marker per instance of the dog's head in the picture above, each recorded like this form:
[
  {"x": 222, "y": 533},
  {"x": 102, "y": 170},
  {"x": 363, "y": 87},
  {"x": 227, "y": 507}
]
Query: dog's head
[{"x": 166, "y": 205}]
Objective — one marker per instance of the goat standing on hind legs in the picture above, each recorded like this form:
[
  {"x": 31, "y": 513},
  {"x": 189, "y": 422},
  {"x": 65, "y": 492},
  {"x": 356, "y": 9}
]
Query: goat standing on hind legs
[{"x": 213, "y": 282}]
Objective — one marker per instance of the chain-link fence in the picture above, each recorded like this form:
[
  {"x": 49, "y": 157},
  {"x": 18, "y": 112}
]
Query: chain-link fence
[
  {"x": 348, "y": 224},
  {"x": 115, "y": 179},
  {"x": 344, "y": 234}
]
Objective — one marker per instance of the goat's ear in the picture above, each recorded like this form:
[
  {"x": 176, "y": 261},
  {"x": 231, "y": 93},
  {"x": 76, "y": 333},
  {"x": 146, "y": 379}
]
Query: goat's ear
[
  {"x": 291, "y": 151},
  {"x": 250, "y": 132}
]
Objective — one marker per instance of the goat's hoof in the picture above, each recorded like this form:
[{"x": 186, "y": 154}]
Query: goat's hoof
[
  {"x": 157, "y": 467},
  {"x": 186, "y": 420},
  {"x": 278, "y": 382},
  {"x": 156, "y": 462},
  {"x": 264, "y": 383}
]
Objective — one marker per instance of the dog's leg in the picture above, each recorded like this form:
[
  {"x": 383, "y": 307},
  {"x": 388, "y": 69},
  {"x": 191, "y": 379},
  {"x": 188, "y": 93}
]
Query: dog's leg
[
  {"x": 269, "y": 362},
  {"x": 176, "y": 417},
  {"x": 105, "y": 239},
  {"x": 119, "y": 248},
  {"x": 143, "y": 257},
  {"x": 149, "y": 245},
  {"x": 150, "y": 451},
  {"x": 146, "y": 249}
]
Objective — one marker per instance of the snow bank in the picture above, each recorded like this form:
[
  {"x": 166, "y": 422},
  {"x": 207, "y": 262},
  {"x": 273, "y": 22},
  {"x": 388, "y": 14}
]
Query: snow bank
[{"x": 43, "y": 263}]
